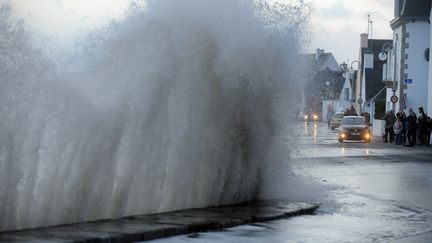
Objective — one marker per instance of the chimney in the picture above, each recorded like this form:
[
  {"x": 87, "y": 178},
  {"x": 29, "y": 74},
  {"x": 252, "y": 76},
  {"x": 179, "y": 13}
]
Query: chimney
[
  {"x": 318, "y": 53},
  {"x": 344, "y": 66},
  {"x": 363, "y": 40}
]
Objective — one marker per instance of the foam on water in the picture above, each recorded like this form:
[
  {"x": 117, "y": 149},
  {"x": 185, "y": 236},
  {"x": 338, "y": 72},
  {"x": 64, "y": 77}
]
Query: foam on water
[{"x": 183, "y": 104}]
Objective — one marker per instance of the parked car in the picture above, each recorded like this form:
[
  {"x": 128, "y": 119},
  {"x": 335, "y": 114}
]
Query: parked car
[
  {"x": 336, "y": 120},
  {"x": 354, "y": 128}
]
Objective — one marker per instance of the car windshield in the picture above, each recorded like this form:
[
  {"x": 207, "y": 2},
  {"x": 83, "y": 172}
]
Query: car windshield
[{"x": 353, "y": 121}]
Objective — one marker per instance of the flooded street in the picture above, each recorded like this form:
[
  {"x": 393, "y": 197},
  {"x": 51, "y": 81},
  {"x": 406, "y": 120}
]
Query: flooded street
[{"x": 369, "y": 192}]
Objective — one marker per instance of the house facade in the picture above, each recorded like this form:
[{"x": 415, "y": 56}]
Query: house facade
[
  {"x": 324, "y": 83},
  {"x": 408, "y": 77},
  {"x": 429, "y": 106},
  {"x": 344, "y": 97},
  {"x": 370, "y": 95}
]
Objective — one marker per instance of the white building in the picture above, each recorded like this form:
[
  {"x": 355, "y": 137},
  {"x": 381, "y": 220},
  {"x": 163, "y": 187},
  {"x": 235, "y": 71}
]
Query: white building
[
  {"x": 429, "y": 104},
  {"x": 410, "y": 54}
]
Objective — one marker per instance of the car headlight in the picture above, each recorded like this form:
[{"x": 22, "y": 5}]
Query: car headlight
[
  {"x": 306, "y": 117},
  {"x": 315, "y": 117},
  {"x": 343, "y": 135},
  {"x": 367, "y": 135}
]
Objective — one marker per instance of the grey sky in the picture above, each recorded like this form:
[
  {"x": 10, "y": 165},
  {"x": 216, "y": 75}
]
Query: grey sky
[{"x": 336, "y": 24}]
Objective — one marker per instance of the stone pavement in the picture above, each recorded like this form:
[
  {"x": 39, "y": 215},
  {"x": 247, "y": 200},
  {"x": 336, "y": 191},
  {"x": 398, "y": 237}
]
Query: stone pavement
[{"x": 154, "y": 226}]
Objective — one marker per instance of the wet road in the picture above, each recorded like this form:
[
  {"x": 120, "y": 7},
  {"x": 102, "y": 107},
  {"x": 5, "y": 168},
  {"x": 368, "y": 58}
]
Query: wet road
[{"x": 369, "y": 192}]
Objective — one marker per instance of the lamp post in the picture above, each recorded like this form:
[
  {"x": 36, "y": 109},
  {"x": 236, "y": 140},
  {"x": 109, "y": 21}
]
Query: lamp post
[
  {"x": 330, "y": 94},
  {"x": 383, "y": 56},
  {"x": 352, "y": 81}
]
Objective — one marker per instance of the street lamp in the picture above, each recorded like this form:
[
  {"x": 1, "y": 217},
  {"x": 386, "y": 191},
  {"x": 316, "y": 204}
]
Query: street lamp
[
  {"x": 329, "y": 91},
  {"x": 330, "y": 96},
  {"x": 383, "y": 56}
]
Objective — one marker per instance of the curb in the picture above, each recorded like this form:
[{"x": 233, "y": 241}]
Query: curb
[{"x": 155, "y": 226}]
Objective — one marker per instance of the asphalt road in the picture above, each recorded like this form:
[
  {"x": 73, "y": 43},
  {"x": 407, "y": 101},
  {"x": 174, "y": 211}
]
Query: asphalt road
[{"x": 369, "y": 193}]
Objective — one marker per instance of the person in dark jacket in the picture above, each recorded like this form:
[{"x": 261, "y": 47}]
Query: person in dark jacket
[
  {"x": 411, "y": 126},
  {"x": 402, "y": 117},
  {"x": 389, "y": 119},
  {"x": 422, "y": 125},
  {"x": 428, "y": 131}
]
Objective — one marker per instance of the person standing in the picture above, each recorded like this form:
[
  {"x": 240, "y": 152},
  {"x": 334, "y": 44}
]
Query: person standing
[
  {"x": 389, "y": 122},
  {"x": 367, "y": 118},
  {"x": 352, "y": 111},
  {"x": 347, "y": 112},
  {"x": 411, "y": 126},
  {"x": 404, "y": 129},
  {"x": 329, "y": 117},
  {"x": 428, "y": 131},
  {"x": 422, "y": 121},
  {"x": 397, "y": 128}
]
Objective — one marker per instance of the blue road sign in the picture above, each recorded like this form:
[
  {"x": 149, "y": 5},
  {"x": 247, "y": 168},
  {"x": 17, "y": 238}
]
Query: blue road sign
[{"x": 408, "y": 81}]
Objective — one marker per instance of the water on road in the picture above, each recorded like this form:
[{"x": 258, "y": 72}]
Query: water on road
[{"x": 369, "y": 192}]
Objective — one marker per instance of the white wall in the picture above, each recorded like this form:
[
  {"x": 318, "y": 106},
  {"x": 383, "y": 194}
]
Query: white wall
[
  {"x": 396, "y": 59},
  {"x": 378, "y": 127},
  {"x": 389, "y": 93},
  {"x": 418, "y": 67},
  {"x": 429, "y": 106}
]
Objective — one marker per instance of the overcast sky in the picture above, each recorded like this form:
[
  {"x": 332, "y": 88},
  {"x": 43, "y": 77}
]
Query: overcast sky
[{"x": 337, "y": 24}]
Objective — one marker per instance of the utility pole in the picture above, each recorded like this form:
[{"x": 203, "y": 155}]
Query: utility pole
[
  {"x": 395, "y": 71},
  {"x": 368, "y": 24}
]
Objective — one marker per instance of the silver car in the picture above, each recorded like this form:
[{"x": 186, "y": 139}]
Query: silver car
[{"x": 336, "y": 120}]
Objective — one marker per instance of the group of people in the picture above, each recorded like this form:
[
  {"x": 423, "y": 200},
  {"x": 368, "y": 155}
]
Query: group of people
[
  {"x": 408, "y": 129},
  {"x": 350, "y": 111}
]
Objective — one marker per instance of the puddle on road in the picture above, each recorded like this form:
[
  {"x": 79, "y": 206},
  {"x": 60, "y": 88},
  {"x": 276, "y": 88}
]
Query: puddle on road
[
  {"x": 367, "y": 196},
  {"x": 352, "y": 218},
  {"x": 366, "y": 199}
]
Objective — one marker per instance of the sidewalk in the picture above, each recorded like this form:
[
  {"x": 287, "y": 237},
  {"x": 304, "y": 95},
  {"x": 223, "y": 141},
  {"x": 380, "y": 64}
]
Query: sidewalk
[
  {"x": 380, "y": 140},
  {"x": 149, "y": 227}
]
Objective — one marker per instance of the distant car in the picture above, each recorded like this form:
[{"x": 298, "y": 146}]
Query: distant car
[
  {"x": 354, "y": 128},
  {"x": 313, "y": 116},
  {"x": 336, "y": 120}
]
